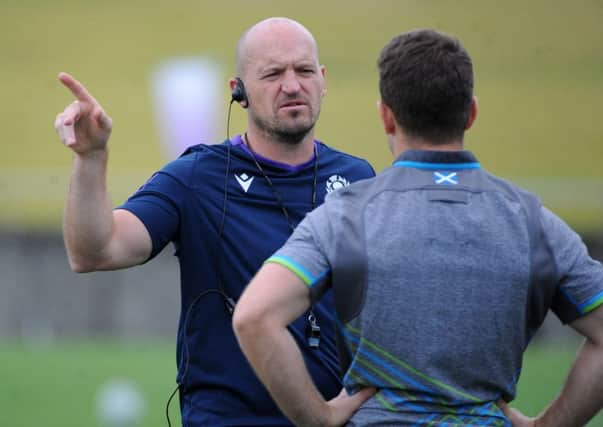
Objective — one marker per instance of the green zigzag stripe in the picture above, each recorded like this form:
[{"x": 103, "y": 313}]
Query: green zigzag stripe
[
  {"x": 385, "y": 403},
  {"x": 378, "y": 396},
  {"x": 392, "y": 381},
  {"x": 446, "y": 417},
  {"x": 452, "y": 419},
  {"x": 410, "y": 368},
  {"x": 439, "y": 404}
]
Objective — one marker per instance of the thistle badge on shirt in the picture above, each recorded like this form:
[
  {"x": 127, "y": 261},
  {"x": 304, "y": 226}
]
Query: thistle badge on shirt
[{"x": 336, "y": 182}]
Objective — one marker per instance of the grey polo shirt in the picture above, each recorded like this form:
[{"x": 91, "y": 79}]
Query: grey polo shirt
[{"x": 441, "y": 274}]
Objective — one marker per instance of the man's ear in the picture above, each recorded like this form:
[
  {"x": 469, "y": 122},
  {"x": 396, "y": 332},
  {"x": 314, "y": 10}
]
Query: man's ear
[
  {"x": 237, "y": 89},
  {"x": 387, "y": 117},
  {"x": 472, "y": 113},
  {"x": 323, "y": 71}
]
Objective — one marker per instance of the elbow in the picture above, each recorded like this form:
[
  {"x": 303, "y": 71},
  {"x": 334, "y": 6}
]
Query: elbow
[
  {"x": 80, "y": 265},
  {"x": 239, "y": 320},
  {"x": 246, "y": 322},
  {"x": 80, "y": 269}
]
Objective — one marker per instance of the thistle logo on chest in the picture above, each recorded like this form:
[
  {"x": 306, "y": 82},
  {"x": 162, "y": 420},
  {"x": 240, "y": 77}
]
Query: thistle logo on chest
[{"x": 336, "y": 182}]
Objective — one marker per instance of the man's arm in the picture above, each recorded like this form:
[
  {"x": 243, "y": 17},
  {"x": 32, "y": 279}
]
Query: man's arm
[
  {"x": 274, "y": 298},
  {"x": 582, "y": 394},
  {"x": 96, "y": 237}
]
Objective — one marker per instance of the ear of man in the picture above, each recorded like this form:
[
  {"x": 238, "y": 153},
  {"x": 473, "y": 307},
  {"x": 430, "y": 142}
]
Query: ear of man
[
  {"x": 239, "y": 94},
  {"x": 472, "y": 114},
  {"x": 387, "y": 118}
]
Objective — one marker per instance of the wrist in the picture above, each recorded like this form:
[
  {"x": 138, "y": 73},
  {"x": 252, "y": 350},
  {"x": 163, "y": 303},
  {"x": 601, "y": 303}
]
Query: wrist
[
  {"x": 92, "y": 156},
  {"x": 328, "y": 415}
]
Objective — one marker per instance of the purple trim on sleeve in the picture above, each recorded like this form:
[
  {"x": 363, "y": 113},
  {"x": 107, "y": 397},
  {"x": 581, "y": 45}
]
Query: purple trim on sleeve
[{"x": 237, "y": 140}]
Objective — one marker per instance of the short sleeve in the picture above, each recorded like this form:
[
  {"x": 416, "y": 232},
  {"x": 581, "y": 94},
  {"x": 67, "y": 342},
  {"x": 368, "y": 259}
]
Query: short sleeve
[
  {"x": 158, "y": 205},
  {"x": 580, "y": 289},
  {"x": 304, "y": 253}
]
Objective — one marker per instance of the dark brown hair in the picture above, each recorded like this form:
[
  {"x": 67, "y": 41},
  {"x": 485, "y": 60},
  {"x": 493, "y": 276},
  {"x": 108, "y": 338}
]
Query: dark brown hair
[{"x": 426, "y": 79}]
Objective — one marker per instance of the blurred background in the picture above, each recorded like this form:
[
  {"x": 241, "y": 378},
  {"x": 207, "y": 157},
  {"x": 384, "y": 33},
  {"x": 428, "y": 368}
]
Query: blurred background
[{"x": 65, "y": 339}]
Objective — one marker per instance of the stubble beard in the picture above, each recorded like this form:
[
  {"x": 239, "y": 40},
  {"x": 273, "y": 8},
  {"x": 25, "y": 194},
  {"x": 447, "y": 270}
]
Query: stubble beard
[{"x": 283, "y": 133}]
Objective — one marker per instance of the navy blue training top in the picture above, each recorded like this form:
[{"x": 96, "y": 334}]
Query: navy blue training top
[{"x": 184, "y": 203}]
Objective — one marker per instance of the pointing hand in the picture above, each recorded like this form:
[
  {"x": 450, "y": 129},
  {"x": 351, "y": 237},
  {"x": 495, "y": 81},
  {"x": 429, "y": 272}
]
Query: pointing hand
[{"x": 83, "y": 126}]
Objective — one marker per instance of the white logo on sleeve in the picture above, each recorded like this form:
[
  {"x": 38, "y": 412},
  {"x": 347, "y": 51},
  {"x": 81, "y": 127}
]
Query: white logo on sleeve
[
  {"x": 336, "y": 182},
  {"x": 244, "y": 181}
]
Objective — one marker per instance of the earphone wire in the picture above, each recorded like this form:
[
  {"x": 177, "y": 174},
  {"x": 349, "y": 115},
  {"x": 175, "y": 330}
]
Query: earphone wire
[
  {"x": 276, "y": 194},
  {"x": 228, "y": 301},
  {"x": 311, "y": 316}
]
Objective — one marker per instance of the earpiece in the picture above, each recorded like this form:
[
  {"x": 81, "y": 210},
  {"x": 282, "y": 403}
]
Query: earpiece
[{"x": 238, "y": 93}]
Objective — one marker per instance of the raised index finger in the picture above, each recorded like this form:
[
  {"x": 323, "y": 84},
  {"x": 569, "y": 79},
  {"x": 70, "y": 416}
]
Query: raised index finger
[{"x": 77, "y": 89}]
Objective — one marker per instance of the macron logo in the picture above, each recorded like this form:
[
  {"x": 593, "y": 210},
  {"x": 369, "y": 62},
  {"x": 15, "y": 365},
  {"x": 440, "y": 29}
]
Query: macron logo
[{"x": 244, "y": 181}]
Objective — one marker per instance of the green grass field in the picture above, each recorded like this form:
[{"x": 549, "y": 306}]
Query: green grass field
[
  {"x": 539, "y": 79},
  {"x": 56, "y": 386}
]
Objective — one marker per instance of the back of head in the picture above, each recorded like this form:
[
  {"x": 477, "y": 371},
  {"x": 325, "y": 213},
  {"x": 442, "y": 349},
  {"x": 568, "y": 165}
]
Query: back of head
[{"x": 426, "y": 79}]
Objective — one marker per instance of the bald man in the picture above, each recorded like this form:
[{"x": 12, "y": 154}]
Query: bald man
[{"x": 226, "y": 208}]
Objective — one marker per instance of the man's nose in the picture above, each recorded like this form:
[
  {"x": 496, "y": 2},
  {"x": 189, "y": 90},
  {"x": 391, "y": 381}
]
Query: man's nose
[{"x": 290, "y": 84}]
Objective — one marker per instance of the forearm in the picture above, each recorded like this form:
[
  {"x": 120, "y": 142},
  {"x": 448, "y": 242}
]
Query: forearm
[
  {"x": 276, "y": 297},
  {"x": 582, "y": 394},
  {"x": 87, "y": 221},
  {"x": 279, "y": 364}
]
